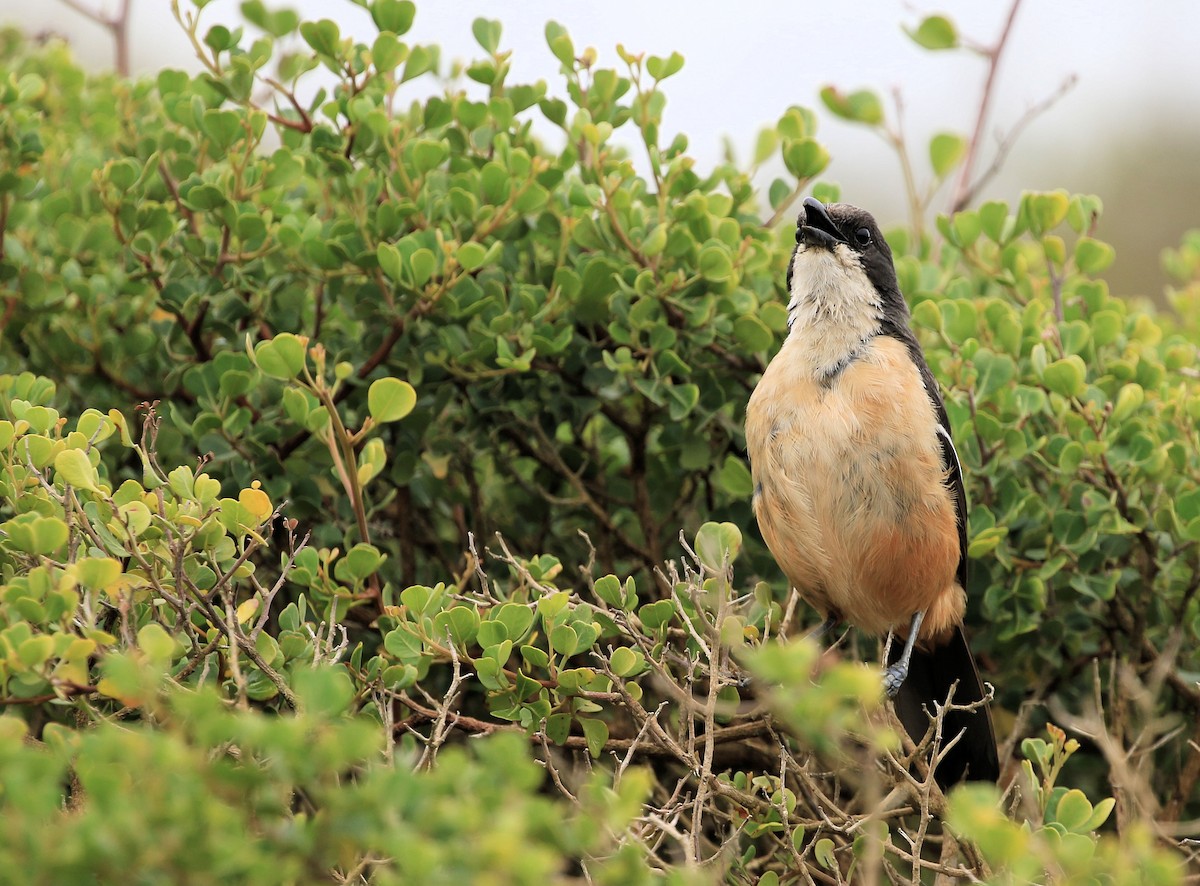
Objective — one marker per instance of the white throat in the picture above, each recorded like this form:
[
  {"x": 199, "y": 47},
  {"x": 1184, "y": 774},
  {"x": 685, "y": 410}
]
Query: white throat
[{"x": 834, "y": 309}]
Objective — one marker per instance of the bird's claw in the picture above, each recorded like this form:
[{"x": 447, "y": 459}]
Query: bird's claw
[{"x": 893, "y": 678}]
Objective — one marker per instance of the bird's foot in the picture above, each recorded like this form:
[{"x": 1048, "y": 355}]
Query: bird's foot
[{"x": 893, "y": 678}]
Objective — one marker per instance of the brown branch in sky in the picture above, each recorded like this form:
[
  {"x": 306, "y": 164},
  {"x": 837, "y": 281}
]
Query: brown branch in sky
[
  {"x": 117, "y": 24},
  {"x": 963, "y": 199},
  {"x": 989, "y": 84}
]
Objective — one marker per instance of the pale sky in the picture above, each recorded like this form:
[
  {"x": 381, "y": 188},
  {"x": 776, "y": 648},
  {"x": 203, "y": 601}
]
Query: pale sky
[{"x": 1138, "y": 66}]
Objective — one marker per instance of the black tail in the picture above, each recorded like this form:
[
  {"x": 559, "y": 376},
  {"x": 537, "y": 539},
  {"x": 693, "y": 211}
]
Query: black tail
[{"x": 930, "y": 676}]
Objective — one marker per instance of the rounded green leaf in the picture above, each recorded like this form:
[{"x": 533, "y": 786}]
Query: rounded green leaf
[
  {"x": 752, "y": 334},
  {"x": 608, "y": 589},
  {"x": 735, "y": 477},
  {"x": 387, "y": 52},
  {"x": 471, "y": 256},
  {"x": 564, "y": 640},
  {"x": 360, "y": 562},
  {"x": 393, "y": 15},
  {"x": 596, "y": 734},
  {"x": 718, "y": 543},
  {"x": 1046, "y": 211},
  {"x": 281, "y": 356},
  {"x": 1067, "y": 376},
  {"x": 97, "y": 573},
  {"x": 1073, "y": 810},
  {"x": 390, "y": 399},
  {"x": 946, "y": 150},
  {"x": 861, "y": 106},
  {"x": 935, "y": 32},
  {"x": 487, "y": 33},
  {"x": 158, "y": 645},
  {"x": 805, "y": 158},
  {"x": 627, "y": 662},
  {"x": 1093, "y": 256},
  {"x": 75, "y": 469}
]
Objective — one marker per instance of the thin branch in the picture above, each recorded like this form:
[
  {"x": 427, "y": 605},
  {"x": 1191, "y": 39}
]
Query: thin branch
[
  {"x": 117, "y": 24},
  {"x": 963, "y": 197},
  {"x": 993, "y": 56}
]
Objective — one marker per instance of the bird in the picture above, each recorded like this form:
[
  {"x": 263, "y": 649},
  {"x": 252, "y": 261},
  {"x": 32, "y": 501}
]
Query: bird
[{"x": 857, "y": 488}]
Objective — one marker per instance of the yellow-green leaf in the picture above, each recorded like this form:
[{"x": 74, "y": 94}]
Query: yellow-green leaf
[
  {"x": 73, "y": 466},
  {"x": 390, "y": 399}
]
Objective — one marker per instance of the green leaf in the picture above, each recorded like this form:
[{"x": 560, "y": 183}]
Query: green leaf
[
  {"x": 608, "y": 589},
  {"x": 390, "y": 399},
  {"x": 391, "y": 262},
  {"x": 403, "y": 644},
  {"x": 735, "y": 478},
  {"x": 564, "y": 640},
  {"x": 993, "y": 215},
  {"x": 715, "y": 262},
  {"x": 421, "y": 60},
  {"x": 360, "y": 562},
  {"x": 518, "y": 619},
  {"x": 471, "y": 256},
  {"x": 862, "y": 106},
  {"x": 927, "y": 315},
  {"x": 461, "y": 623},
  {"x": 805, "y": 158},
  {"x": 278, "y": 24},
  {"x": 596, "y": 733},
  {"x": 282, "y": 356},
  {"x": 323, "y": 691},
  {"x": 393, "y": 15},
  {"x": 75, "y": 469},
  {"x": 323, "y": 36},
  {"x": 752, "y": 334},
  {"x": 946, "y": 150},
  {"x": 627, "y": 662},
  {"x": 487, "y": 34},
  {"x": 387, "y": 52},
  {"x": 34, "y": 651},
  {"x": 158, "y": 645},
  {"x": 655, "y": 615},
  {"x": 935, "y": 32},
  {"x": 765, "y": 145},
  {"x": 97, "y": 573},
  {"x": 1100, "y": 814},
  {"x": 1045, "y": 211},
  {"x": 661, "y": 69},
  {"x": 558, "y": 728},
  {"x": 222, "y": 127},
  {"x": 1073, "y": 810},
  {"x": 429, "y": 154},
  {"x": 1067, "y": 376},
  {"x": 824, "y": 854},
  {"x": 717, "y": 543},
  {"x": 682, "y": 399},
  {"x": 560, "y": 44},
  {"x": 1093, "y": 256},
  {"x": 1129, "y": 400}
]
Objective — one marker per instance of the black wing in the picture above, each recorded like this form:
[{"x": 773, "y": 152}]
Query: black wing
[
  {"x": 953, "y": 467},
  {"x": 950, "y": 463}
]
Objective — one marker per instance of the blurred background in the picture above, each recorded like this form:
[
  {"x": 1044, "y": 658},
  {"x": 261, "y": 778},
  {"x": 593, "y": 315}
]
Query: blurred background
[{"x": 1128, "y": 131}]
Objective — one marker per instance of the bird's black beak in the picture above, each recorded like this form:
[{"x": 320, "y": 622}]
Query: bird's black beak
[{"x": 816, "y": 228}]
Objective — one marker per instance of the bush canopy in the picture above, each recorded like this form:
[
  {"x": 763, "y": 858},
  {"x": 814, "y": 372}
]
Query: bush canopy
[{"x": 344, "y": 417}]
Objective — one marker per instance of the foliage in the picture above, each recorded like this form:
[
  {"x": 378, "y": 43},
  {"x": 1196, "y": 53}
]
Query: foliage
[{"x": 371, "y": 321}]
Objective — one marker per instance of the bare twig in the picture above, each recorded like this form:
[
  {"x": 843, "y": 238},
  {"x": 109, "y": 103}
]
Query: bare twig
[
  {"x": 993, "y": 55},
  {"x": 117, "y": 24}
]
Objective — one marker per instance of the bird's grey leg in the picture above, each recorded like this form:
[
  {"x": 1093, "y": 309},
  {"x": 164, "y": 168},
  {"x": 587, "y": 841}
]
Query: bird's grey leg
[
  {"x": 823, "y": 628},
  {"x": 893, "y": 677}
]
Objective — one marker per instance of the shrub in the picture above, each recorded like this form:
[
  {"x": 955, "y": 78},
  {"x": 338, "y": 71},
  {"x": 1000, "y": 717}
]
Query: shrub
[{"x": 370, "y": 331}]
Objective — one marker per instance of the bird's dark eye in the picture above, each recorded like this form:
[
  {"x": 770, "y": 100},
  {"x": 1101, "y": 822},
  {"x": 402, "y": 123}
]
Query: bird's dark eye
[{"x": 863, "y": 236}]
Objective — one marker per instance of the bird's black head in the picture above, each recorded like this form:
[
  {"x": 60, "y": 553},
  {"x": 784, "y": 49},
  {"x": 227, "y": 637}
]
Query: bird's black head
[{"x": 849, "y": 233}]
